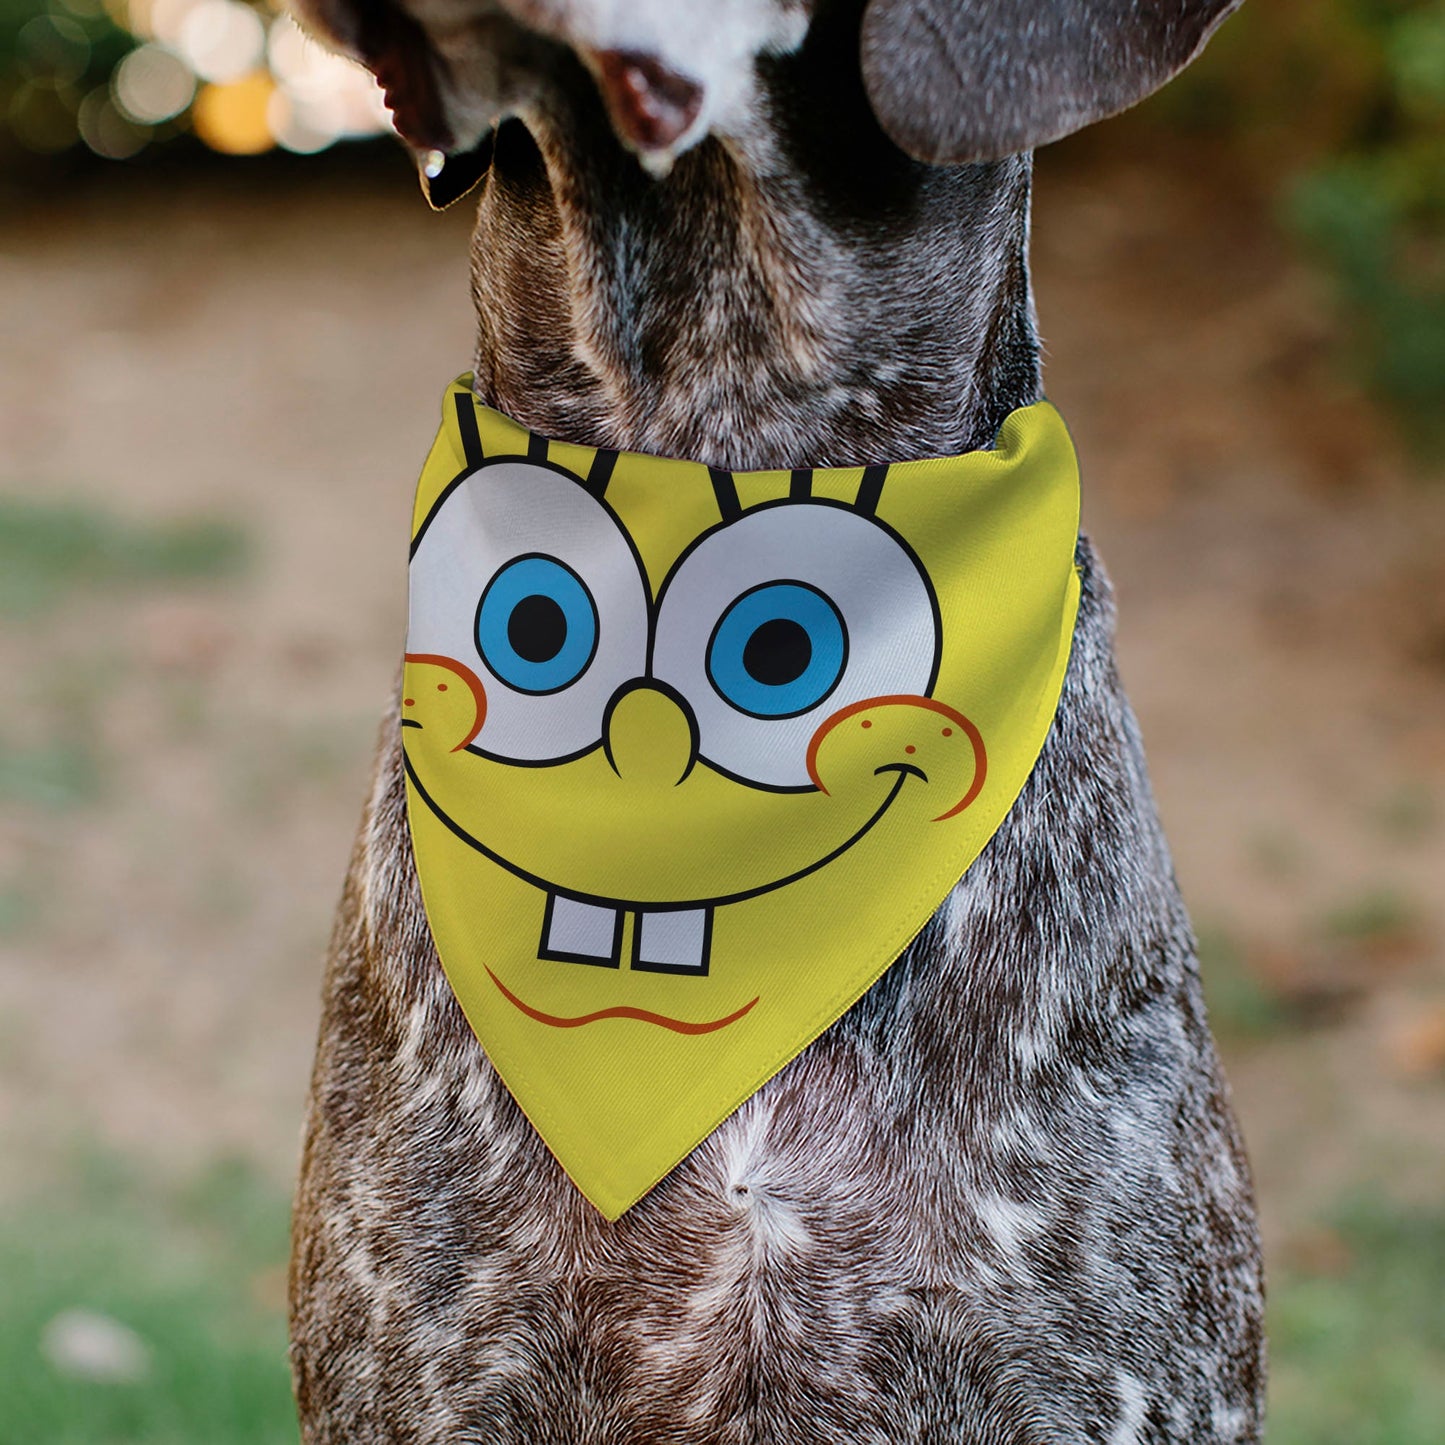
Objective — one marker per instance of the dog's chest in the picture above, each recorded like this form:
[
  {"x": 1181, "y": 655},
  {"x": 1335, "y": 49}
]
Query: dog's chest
[{"x": 1013, "y": 1149}]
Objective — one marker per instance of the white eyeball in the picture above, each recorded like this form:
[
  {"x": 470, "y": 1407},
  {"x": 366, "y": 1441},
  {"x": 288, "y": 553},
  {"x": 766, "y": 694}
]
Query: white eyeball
[
  {"x": 527, "y": 578},
  {"x": 771, "y": 623}
]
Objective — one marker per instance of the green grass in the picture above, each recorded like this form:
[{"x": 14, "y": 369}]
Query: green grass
[
  {"x": 1378, "y": 914},
  {"x": 17, "y": 908},
  {"x": 194, "y": 1275},
  {"x": 56, "y": 776},
  {"x": 1358, "y": 1354},
  {"x": 1241, "y": 1005},
  {"x": 50, "y": 549},
  {"x": 1409, "y": 814}
]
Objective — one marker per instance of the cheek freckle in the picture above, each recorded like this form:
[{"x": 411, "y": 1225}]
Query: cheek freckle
[
  {"x": 910, "y": 749},
  {"x": 441, "y": 687},
  {"x": 866, "y": 723},
  {"x": 948, "y": 732},
  {"x": 410, "y": 701}
]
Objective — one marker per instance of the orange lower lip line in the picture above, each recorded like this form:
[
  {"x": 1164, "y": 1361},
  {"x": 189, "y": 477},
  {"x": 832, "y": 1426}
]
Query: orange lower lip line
[{"x": 620, "y": 1011}]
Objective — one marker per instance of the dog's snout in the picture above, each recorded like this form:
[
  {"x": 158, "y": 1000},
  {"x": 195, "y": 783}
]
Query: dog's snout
[{"x": 651, "y": 106}]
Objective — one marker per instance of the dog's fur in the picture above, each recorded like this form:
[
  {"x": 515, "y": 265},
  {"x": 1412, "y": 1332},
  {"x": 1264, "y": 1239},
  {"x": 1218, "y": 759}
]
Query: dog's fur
[{"x": 1003, "y": 1199}]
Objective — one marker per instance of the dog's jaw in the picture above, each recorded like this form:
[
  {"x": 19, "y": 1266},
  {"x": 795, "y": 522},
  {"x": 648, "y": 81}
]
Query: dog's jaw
[
  {"x": 671, "y": 74},
  {"x": 709, "y": 51},
  {"x": 794, "y": 292}
]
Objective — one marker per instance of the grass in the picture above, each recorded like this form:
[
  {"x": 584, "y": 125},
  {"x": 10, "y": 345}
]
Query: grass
[
  {"x": 51, "y": 549},
  {"x": 195, "y": 1276},
  {"x": 50, "y": 754},
  {"x": 56, "y": 775},
  {"x": 1252, "y": 1000},
  {"x": 1241, "y": 1005},
  {"x": 1358, "y": 1349},
  {"x": 1409, "y": 814},
  {"x": 17, "y": 908},
  {"x": 1378, "y": 915}
]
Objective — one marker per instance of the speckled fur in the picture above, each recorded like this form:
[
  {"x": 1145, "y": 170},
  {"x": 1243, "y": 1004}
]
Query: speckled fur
[{"x": 1003, "y": 1199}]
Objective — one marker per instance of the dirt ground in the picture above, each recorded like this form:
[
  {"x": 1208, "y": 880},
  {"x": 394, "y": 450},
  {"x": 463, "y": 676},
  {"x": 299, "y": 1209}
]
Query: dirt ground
[{"x": 273, "y": 355}]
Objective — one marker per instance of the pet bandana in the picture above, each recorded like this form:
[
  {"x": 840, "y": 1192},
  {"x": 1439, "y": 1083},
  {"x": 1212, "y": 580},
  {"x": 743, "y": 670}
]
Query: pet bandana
[{"x": 692, "y": 755}]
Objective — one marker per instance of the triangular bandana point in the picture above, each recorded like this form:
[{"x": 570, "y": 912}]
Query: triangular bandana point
[{"x": 693, "y": 755}]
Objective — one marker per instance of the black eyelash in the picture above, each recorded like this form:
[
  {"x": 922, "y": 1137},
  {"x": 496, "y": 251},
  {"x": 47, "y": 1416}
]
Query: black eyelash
[
  {"x": 467, "y": 430},
  {"x": 870, "y": 490},
  {"x": 600, "y": 473},
  {"x": 725, "y": 489}
]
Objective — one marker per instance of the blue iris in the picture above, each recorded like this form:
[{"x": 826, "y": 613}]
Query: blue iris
[
  {"x": 537, "y": 625},
  {"x": 778, "y": 651}
]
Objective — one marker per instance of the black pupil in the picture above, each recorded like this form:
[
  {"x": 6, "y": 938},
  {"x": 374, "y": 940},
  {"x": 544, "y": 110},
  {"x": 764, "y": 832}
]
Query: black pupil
[
  {"x": 778, "y": 652},
  {"x": 537, "y": 628}
]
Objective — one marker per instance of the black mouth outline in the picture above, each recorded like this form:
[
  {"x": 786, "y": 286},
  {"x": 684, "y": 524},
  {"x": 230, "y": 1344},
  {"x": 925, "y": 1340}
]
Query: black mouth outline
[{"x": 903, "y": 770}]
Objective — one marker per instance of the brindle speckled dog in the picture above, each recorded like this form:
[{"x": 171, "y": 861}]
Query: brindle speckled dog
[{"x": 1003, "y": 1199}]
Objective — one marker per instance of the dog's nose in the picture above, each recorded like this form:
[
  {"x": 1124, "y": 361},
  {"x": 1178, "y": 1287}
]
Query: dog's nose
[
  {"x": 651, "y": 106},
  {"x": 650, "y": 735}
]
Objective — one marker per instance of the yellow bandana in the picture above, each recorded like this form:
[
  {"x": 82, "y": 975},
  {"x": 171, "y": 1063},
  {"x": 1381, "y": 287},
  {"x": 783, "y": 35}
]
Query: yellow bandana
[{"x": 692, "y": 755}]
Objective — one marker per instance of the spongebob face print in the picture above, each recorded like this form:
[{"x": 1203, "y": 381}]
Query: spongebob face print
[
  {"x": 691, "y": 755},
  {"x": 537, "y": 650}
]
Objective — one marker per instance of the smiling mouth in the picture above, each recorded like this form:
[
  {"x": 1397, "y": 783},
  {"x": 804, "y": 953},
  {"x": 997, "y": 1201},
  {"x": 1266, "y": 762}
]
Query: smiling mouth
[
  {"x": 622, "y": 1011},
  {"x": 902, "y": 772}
]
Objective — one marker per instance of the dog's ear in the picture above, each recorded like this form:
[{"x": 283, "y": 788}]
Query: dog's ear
[{"x": 974, "y": 80}]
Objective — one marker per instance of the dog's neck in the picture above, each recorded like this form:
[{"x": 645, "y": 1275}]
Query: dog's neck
[{"x": 804, "y": 296}]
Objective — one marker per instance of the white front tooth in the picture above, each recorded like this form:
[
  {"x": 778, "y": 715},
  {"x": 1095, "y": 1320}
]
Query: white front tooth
[
  {"x": 578, "y": 932},
  {"x": 674, "y": 942}
]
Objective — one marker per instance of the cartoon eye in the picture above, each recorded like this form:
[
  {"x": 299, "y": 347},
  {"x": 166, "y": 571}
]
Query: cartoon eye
[
  {"x": 771, "y": 623},
  {"x": 537, "y": 625},
  {"x": 526, "y": 577},
  {"x": 778, "y": 650}
]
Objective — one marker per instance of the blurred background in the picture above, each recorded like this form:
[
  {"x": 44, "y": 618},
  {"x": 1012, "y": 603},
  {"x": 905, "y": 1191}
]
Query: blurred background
[{"x": 226, "y": 317}]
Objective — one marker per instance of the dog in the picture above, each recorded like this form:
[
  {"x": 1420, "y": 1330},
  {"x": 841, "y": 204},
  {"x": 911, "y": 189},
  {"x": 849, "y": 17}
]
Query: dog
[{"x": 1001, "y": 1200}]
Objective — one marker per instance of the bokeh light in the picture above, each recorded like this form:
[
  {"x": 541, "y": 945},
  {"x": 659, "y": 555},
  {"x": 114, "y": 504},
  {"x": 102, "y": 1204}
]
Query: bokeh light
[
  {"x": 106, "y": 130},
  {"x": 221, "y": 40},
  {"x": 58, "y": 44},
  {"x": 119, "y": 75},
  {"x": 42, "y": 114},
  {"x": 152, "y": 84},
  {"x": 320, "y": 97},
  {"x": 233, "y": 117}
]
